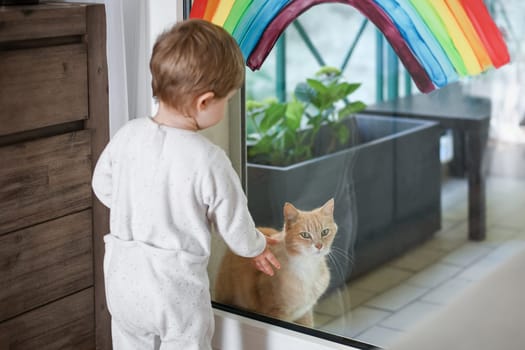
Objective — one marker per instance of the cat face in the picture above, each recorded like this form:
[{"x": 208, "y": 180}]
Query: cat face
[{"x": 309, "y": 232}]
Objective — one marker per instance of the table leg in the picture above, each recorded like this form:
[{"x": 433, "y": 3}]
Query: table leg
[
  {"x": 457, "y": 166},
  {"x": 475, "y": 144}
]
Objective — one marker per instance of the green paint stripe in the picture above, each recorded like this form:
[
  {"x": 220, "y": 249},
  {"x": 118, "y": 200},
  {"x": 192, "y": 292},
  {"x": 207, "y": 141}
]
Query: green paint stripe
[
  {"x": 437, "y": 27},
  {"x": 238, "y": 9}
]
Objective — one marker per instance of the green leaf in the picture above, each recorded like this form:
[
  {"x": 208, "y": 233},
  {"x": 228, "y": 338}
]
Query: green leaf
[
  {"x": 340, "y": 91},
  {"x": 328, "y": 70},
  {"x": 263, "y": 146},
  {"x": 343, "y": 134},
  {"x": 351, "y": 87},
  {"x": 253, "y": 105},
  {"x": 328, "y": 74},
  {"x": 270, "y": 101},
  {"x": 351, "y": 108},
  {"x": 316, "y": 120},
  {"x": 317, "y": 85},
  {"x": 253, "y": 138},
  {"x": 272, "y": 116},
  {"x": 305, "y": 93},
  {"x": 288, "y": 142},
  {"x": 294, "y": 114}
]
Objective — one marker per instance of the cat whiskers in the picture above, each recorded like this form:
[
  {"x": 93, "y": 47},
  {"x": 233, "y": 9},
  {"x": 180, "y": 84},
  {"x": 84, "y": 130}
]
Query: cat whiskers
[
  {"x": 342, "y": 253},
  {"x": 337, "y": 264},
  {"x": 338, "y": 269}
]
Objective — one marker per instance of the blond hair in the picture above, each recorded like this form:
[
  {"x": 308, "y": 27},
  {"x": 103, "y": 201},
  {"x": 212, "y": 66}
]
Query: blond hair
[{"x": 194, "y": 57}]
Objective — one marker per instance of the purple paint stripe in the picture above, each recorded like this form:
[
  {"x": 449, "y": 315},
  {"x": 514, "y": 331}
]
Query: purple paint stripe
[{"x": 369, "y": 9}]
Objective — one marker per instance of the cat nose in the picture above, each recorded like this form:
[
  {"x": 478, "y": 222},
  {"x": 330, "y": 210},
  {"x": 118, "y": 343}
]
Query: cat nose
[{"x": 319, "y": 245}]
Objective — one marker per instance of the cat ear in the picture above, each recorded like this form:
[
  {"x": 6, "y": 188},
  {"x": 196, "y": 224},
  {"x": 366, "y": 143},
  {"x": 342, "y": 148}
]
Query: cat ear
[
  {"x": 328, "y": 207},
  {"x": 290, "y": 212}
]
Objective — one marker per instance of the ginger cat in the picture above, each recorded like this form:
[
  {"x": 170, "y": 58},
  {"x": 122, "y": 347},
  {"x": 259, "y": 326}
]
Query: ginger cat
[{"x": 301, "y": 248}]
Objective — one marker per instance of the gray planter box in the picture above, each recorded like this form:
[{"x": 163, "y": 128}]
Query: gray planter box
[{"x": 387, "y": 191}]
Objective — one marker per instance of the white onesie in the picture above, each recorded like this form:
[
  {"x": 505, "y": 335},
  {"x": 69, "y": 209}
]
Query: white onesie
[{"x": 166, "y": 187}]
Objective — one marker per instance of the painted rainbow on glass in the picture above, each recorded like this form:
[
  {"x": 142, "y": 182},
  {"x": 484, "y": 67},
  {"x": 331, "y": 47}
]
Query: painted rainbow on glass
[{"x": 437, "y": 41}]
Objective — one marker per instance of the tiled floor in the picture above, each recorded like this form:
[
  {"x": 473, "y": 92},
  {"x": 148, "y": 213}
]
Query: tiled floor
[{"x": 380, "y": 306}]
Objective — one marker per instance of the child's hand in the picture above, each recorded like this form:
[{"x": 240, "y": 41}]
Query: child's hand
[{"x": 264, "y": 261}]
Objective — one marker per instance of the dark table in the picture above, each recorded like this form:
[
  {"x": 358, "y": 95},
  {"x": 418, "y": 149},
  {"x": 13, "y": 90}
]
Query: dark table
[{"x": 470, "y": 118}]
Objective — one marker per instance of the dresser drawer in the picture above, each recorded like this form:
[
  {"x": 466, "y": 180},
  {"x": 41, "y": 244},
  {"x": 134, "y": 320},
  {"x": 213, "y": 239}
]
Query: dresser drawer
[
  {"x": 45, "y": 262},
  {"x": 42, "y": 21},
  {"x": 42, "y": 86},
  {"x": 66, "y": 324},
  {"x": 44, "y": 179}
]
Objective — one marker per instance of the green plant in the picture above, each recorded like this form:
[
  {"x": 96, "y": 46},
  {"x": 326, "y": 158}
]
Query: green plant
[{"x": 285, "y": 132}]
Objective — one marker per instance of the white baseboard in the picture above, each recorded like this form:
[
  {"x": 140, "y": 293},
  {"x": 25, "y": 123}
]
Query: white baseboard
[{"x": 233, "y": 332}]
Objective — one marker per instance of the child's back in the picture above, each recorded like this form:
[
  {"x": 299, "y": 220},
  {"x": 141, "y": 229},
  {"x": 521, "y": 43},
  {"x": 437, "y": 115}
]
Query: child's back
[{"x": 166, "y": 181}]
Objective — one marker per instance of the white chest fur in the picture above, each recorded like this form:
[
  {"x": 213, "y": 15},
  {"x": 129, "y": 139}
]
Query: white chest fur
[
  {"x": 307, "y": 269},
  {"x": 313, "y": 275}
]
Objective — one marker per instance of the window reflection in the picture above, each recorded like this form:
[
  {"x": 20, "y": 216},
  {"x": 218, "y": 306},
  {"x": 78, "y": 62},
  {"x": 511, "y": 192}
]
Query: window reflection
[{"x": 401, "y": 251}]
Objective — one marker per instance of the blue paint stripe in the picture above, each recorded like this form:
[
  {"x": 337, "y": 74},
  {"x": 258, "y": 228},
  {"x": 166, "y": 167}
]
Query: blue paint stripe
[
  {"x": 242, "y": 28},
  {"x": 431, "y": 41},
  {"x": 414, "y": 40},
  {"x": 254, "y": 22}
]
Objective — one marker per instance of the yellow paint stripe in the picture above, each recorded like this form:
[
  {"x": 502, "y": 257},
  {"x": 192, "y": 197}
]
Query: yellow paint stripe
[
  {"x": 458, "y": 38},
  {"x": 470, "y": 33},
  {"x": 222, "y": 12}
]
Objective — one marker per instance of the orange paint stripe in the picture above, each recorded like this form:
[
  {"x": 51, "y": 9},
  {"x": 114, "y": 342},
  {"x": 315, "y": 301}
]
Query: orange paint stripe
[
  {"x": 210, "y": 9},
  {"x": 487, "y": 31},
  {"x": 470, "y": 33}
]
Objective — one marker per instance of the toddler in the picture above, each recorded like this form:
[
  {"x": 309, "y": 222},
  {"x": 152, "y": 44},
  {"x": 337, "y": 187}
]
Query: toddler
[{"x": 167, "y": 186}]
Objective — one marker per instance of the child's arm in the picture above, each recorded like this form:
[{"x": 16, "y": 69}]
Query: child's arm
[
  {"x": 228, "y": 208},
  {"x": 102, "y": 180},
  {"x": 264, "y": 261}
]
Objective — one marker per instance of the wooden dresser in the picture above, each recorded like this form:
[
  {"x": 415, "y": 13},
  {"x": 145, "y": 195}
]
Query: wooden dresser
[{"x": 53, "y": 126}]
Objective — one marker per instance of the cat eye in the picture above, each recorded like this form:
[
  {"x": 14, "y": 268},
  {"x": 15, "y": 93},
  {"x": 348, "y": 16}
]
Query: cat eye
[
  {"x": 325, "y": 232},
  {"x": 305, "y": 235}
]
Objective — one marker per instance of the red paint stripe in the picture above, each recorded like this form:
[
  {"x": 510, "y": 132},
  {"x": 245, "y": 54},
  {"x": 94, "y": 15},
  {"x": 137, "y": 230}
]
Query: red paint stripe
[
  {"x": 487, "y": 31},
  {"x": 198, "y": 8}
]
